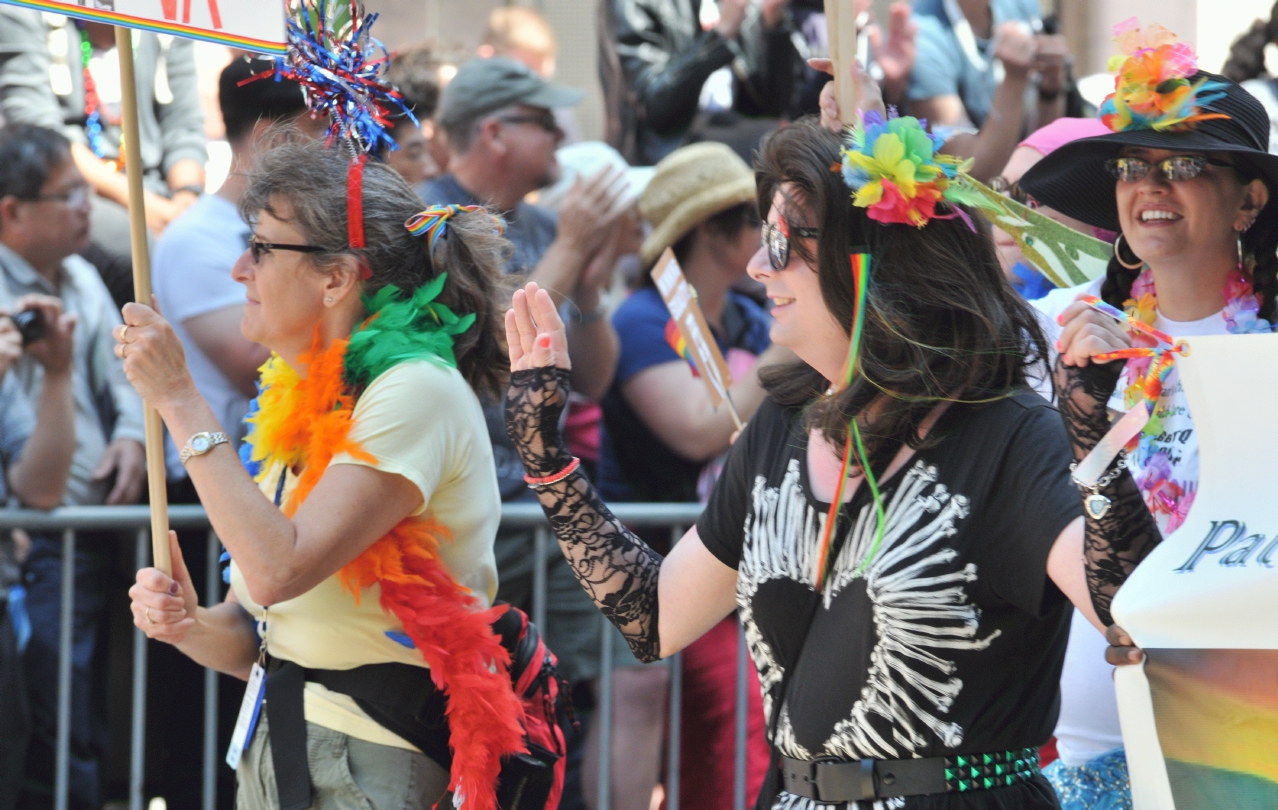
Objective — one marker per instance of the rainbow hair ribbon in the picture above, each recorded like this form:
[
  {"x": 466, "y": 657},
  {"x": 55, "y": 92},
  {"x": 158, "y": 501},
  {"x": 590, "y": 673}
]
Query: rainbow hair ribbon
[
  {"x": 854, "y": 446},
  {"x": 433, "y": 222},
  {"x": 1153, "y": 89},
  {"x": 899, "y": 176}
]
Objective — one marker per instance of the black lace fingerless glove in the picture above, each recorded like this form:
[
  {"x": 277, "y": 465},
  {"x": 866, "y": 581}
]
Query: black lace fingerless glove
[
  {"x": 534, "y": 404},
  {"x": 617, "y": 570},
  {"x": 1114, "y": 544}
]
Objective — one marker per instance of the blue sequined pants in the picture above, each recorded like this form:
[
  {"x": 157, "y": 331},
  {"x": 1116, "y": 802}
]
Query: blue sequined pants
[{"x": 1100, "y": 784}]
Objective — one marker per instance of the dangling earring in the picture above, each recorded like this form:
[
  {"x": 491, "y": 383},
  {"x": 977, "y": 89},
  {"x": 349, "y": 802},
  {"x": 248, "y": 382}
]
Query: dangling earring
[
  {"x": 1118, "y": 254},
  {"x": 1240, "y": 256}
]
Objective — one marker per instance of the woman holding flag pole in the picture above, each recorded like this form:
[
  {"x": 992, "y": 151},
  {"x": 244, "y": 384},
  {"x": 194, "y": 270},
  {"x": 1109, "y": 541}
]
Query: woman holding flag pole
[
  {"x": 896, "y": 525},
  {"x": 361, "y": 535}
]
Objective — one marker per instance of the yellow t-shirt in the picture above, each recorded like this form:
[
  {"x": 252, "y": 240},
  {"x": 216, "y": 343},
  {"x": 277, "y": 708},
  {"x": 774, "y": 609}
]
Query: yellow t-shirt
[{"x": 422, "y": 421}]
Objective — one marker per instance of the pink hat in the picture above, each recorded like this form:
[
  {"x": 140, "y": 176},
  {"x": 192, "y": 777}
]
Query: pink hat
[{"x": 1061, "y": 131}]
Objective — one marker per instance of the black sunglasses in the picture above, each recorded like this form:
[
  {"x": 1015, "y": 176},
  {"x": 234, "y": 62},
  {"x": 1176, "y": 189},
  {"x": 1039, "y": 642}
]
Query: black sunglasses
[
  {"x": 777, "y": 242},
  {"x": 259, "y": 248},
  {"x": 1175, "y": 168},
  {"x": 545, "y": 120}
]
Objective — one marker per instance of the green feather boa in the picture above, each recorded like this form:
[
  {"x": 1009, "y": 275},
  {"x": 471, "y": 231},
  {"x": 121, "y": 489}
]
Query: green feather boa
[{"x": 403, "y": 327}]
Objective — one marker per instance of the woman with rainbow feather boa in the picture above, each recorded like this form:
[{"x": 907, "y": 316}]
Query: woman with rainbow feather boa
[{"x": 362, "y": 535}]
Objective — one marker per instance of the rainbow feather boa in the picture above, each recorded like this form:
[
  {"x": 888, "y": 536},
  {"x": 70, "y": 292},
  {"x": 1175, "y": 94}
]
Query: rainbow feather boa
[
  {"x": 1153, "y": 89},
  {"x": 305, "y": 421}
]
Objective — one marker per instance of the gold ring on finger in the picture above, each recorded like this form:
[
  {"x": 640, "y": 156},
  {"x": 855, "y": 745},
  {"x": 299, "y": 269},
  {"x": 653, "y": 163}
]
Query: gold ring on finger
[
  {"x": 124, "y": 331},
  {"x": 147, "y": 613}
]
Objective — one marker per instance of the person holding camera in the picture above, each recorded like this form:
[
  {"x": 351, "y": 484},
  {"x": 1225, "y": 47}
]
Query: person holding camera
[
  {"x": 35, "y": 458},
  {"x": 44, "y": 221}
]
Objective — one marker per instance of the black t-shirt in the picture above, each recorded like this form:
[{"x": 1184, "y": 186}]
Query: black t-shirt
[{"x": 952, "y": 640}]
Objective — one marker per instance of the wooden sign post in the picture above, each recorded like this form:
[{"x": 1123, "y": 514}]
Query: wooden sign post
[
  {"x": 840, "y": 26},
  {"x": 257, "y": 25},
  {"x": 704, "y": 352}
]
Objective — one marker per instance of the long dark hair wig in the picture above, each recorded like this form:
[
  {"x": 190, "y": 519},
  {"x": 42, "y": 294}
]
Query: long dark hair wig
[
  {"x": 941, "y": 322},
  {"x": 1259, "y": 242}
]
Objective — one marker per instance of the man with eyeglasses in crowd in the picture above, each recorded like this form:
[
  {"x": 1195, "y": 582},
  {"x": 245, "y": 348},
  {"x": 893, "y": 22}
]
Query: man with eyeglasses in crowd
[{"x": 44, "y": 222}]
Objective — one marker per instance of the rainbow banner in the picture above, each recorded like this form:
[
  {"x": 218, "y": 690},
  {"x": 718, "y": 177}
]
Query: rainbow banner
[
  {"x": 1200, "y": 718},
  {"x": 676, "y": 340},
  {"x": 253, "y": 25}
]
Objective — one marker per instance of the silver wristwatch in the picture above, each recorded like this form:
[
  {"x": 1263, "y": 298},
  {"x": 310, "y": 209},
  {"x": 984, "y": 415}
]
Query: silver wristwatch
[{"x": 201, "y": 443}]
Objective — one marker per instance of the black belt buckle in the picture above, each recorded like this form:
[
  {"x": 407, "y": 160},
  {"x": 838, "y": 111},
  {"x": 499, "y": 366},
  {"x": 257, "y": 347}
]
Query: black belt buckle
[
  {"x": 829, "y": 781},
  {"x": 845, "y": 781}
]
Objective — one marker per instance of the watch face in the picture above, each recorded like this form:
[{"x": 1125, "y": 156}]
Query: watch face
[{"x": 200, "y": 444}]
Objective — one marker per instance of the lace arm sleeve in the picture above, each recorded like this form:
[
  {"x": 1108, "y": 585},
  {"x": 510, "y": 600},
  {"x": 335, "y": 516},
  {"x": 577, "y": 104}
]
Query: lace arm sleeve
[
  {"x": 618, "y": 570},
  {"x": 1114, "y": 545}
]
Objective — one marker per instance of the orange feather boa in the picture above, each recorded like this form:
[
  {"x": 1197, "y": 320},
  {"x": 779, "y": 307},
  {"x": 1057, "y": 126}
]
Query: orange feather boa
[{"x": 306, "y": 421}]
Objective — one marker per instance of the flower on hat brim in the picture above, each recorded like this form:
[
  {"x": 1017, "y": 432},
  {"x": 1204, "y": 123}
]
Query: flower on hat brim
[{"x": 1153, "y": 87}]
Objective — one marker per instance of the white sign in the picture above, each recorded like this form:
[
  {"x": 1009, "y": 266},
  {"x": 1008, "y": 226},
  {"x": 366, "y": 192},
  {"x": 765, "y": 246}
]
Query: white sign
[
  {"x": 1200, "y": 718},
  {"x": 254, "y": 25}
]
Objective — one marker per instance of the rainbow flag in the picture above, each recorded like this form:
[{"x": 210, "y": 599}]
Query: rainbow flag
[{"x": 675, "y": 338}]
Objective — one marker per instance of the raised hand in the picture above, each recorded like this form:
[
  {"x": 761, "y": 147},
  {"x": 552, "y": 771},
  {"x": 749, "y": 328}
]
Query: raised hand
[
  {"x": 869, "y": 96},
  {"x": 895, "y": 56},
  {"x": 1087, "y": 333},
  {"x": 154, "y": 360},
  {"x": 535, "y": 334}
]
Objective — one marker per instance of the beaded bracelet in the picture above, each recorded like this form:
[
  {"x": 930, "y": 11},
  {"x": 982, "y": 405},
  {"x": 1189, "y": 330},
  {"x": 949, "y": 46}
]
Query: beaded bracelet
[{"x": 557, "y": 477}]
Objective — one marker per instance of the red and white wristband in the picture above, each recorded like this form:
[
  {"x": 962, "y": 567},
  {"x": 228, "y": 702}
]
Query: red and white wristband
[{"x": 556, "y": 478}]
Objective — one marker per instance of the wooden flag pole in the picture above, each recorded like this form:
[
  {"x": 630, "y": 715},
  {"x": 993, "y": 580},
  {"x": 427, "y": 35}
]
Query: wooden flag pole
[
  {"x": 840, "y": 25},
  {"x": 142, "y": 293}
]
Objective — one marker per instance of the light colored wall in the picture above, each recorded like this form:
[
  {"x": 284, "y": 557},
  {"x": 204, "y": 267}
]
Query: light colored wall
[
  {"x": 404, "y": 22},
  {"x": 1209, "y": 25}
]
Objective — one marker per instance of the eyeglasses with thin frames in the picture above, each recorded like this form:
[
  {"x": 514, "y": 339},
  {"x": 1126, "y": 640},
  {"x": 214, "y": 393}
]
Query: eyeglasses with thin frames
[
  {"x": 1012, "y": 191},
  {"x": 777, "y": 241},
  {"x": 1175, "y": 168},
  {"x": 74, "y": 198},
  {"x": 259, "y": 248}
]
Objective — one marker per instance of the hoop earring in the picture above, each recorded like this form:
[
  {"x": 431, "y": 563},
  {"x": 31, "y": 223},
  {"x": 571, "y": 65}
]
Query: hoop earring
[{"x": 1118, "y": 254}]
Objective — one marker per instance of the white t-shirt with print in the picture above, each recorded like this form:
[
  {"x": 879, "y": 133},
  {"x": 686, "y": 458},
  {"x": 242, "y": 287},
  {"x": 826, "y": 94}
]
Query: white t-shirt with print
[{"x": 1088, "y": 724}]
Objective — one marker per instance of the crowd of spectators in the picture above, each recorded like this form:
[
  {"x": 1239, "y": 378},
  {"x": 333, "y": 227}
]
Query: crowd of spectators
[{"x": 690, "y": 88}]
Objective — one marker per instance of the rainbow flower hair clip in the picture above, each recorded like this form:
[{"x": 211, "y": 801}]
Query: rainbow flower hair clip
[
  {"x": 893, "y": 166},
  {"x": 1153, "y": 89}
]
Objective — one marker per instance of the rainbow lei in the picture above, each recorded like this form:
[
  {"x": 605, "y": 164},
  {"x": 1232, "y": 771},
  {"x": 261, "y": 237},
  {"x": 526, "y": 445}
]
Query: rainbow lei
[
  {"x": 897, "y": 173},
  {"x": 1147, "y": 373},
  {"x": 302, "y": 422},
  {"x": 1153, "y": 89}
]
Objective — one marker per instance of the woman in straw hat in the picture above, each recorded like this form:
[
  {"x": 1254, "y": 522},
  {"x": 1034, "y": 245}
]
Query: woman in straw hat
[
  {"x": 663, "y": 438},
  {"x": 896, "y": 524},
  {"x": 1185, "y": 178}
]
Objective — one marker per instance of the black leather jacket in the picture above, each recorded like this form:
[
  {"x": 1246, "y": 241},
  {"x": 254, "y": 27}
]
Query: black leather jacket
[{"x": 664, "y": 58}]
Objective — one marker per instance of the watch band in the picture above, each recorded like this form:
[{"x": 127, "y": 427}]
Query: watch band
[{"x": 201, "y": 443}]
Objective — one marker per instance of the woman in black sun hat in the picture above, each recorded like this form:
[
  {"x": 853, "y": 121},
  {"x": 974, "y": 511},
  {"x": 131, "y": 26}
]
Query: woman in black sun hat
[{"x": 1186, "y": 181}]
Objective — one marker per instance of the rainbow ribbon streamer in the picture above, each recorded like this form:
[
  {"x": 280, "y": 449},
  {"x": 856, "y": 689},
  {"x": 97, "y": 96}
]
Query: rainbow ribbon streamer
[
  {"x": 1153, "y": 382},
  {"x": 433, "y": 222},
  {"x": 854, "y": 444}
]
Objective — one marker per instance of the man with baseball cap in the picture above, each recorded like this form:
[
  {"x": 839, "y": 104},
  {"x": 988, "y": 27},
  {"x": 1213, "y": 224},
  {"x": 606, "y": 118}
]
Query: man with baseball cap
[{"x": 498, "y": 118}]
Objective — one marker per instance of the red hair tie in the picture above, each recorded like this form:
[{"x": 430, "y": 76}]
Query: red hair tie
[{"x": 355, "y": 211}]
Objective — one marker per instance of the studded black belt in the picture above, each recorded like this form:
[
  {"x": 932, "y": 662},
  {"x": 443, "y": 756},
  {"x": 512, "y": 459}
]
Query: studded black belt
[{"x": 862, "y": 780}]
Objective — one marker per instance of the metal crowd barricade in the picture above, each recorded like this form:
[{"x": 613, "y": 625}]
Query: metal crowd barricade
[{"x": 71, "y": 520}]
